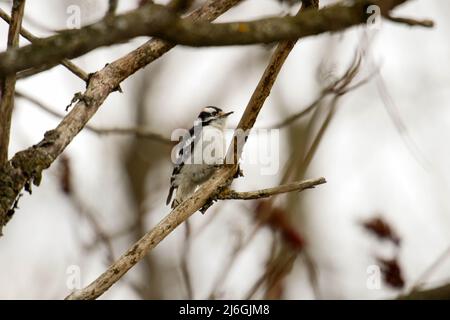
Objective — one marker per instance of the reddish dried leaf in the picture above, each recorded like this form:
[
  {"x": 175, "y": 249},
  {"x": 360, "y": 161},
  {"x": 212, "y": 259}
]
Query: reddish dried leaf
[
  {"x": 65, "y": 175},
  {"x": 381, "y": 229},
  {"x": 392, "y": 273},
  {"x": 277, "y": 219}
]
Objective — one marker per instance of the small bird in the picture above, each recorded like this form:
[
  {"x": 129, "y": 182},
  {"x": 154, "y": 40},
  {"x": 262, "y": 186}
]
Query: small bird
[{"x": 200, "y": 151}]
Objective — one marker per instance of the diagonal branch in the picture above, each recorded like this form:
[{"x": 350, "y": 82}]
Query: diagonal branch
[
  {"x": 8, "y": 84},
  {"x": 159, "y": 21},
  {"x": 220, "y": 179},
  {"x": 26, "y": 166}
]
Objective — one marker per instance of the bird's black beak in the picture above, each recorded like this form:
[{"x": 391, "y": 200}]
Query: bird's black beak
[{"x": 226, "y": 114}]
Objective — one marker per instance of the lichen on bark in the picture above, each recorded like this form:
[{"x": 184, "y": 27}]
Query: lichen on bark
[{"x": 25, "y": 167}]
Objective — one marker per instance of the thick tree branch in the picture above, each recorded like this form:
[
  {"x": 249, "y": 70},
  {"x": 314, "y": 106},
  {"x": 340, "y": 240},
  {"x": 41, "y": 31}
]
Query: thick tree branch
[
  {"x": 26, "y": 166},
  {"x": 8, "y": 83},
  {"x": 161, "y": 22},
  {"x": 228, "y": 194},
  {"x": 32, "y": 38},
  {"x": 207, "y": 191}
]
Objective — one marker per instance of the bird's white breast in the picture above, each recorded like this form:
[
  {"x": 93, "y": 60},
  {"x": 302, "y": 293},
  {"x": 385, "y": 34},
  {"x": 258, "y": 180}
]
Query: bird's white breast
[{"x": 209, "y": 151}]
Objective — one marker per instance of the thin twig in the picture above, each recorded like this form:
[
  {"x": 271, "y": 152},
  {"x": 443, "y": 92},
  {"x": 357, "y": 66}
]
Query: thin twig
[
  {"x": 291, "y": 119},
  {"x": 101, "y": 236},
  {"x": 280, "y": 270},
  {"x": 228, "y": 194},
  {"x": 238, "y": 248},
  {"x": 402, "y": 129},
  {"x": 138, "y": 132},
  {"x": 430, "y": 270},
  {"x": 312, "y": 274},
  {"x": 301, "y": 170},
  {"x": 65, "y": 177},
  {"x": 339, "y": 87},
  {"x": 412, "y": 22},
  {"x": 394, "y": 113},
  {"x": 259, "y": 282},
  {"x": 280, "y": 264},
  {"x": 185, "y": 271}
]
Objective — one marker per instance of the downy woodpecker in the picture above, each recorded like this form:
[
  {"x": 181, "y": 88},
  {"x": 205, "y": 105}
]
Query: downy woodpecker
[{"x": 198, "y": 153}]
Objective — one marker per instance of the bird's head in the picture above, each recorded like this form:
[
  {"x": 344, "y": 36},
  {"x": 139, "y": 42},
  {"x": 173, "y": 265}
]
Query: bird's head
[{"x": 213, "y": 116}]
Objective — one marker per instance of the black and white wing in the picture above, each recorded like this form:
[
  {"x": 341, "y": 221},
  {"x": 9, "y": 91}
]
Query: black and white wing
[{"x": 185, "y": 150}]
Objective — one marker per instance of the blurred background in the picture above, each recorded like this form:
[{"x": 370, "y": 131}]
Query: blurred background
[{"x": 377, "y": 129}]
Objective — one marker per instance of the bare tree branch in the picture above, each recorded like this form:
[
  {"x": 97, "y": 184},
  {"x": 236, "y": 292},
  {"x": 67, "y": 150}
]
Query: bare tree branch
[
  {"x": 26, "y": 167},
  {"x": 8, "y": 84},
  {"x": 138, "y": 132},
  {"x": 159, "y": 21},
  {"x": 338, "y": 88},
  {"x": 412, "y": 22},
  {"x": 32, "y": 38},
  {"x": 238, "y": 248},
  {"x": 228, "y": 194},
  {"x": 279, "y": 263}
]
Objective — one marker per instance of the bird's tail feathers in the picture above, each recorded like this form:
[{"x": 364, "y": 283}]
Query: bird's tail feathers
[{"x": 169, "y": 197}]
